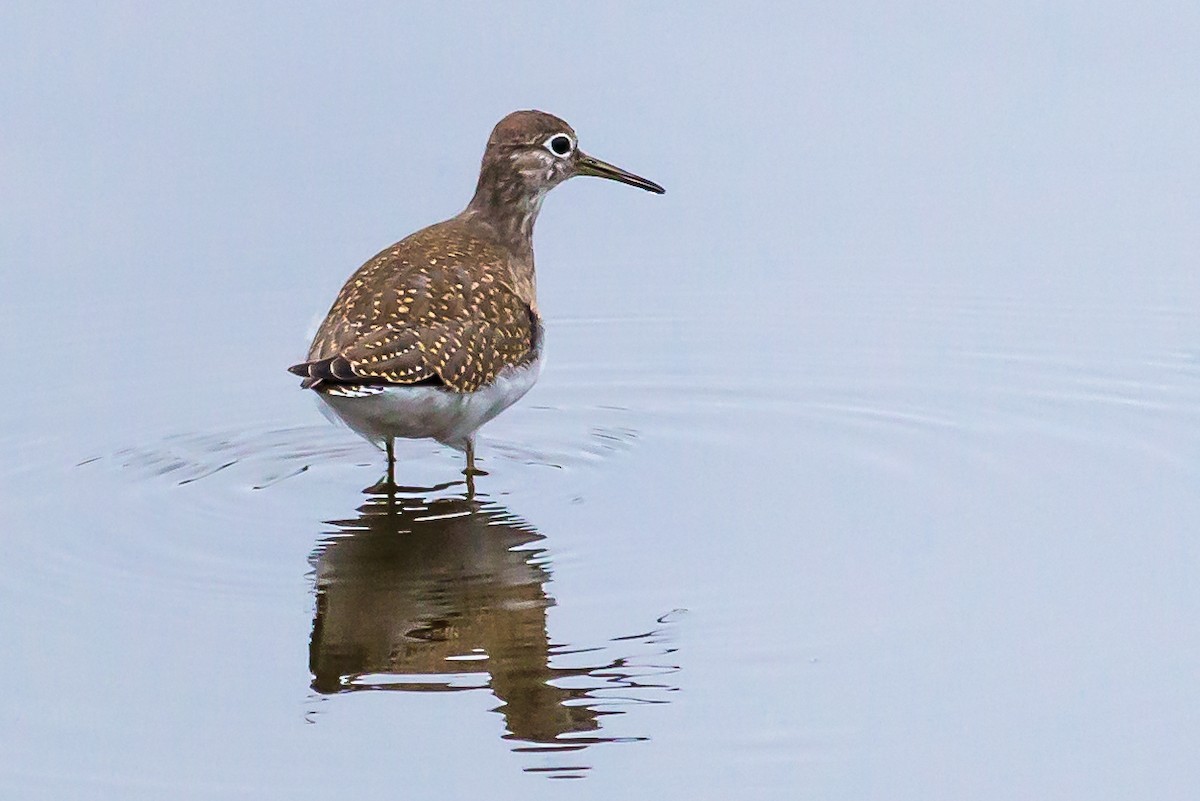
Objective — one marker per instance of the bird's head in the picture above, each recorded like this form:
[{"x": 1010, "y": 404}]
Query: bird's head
[{"x": 531, "y": 152}]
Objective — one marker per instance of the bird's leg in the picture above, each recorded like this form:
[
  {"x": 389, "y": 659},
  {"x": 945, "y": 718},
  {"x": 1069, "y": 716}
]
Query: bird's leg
[
  {"x": 391, "y": 459},
  {"x": 472, "y": 470},
  {"x": 386, "y": 485}
]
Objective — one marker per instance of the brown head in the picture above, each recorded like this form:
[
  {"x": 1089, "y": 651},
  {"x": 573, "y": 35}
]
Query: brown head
[{"x": 528, "y": 154}]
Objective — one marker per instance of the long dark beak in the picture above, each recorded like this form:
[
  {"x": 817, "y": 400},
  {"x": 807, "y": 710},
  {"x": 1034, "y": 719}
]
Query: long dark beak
[{"x": 587, "y": 165}]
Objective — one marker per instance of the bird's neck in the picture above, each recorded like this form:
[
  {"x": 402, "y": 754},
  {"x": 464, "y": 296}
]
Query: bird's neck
[
  {"x": 509, "y": 209},
  {"x": 508, "y": 203}
]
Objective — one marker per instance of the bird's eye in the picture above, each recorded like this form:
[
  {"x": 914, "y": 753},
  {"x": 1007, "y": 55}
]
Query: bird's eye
[{"x": 560, "y": 144}]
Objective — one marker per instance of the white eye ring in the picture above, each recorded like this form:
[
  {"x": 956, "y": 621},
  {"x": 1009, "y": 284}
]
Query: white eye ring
[{"x": 560, "y": 145}]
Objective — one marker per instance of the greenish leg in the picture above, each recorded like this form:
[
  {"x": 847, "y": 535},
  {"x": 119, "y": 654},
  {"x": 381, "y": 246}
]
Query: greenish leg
[
  {"x": 472, "y": 470},
  {"x": 387, "y": 484},
  {"x": 391, "y": 459}
]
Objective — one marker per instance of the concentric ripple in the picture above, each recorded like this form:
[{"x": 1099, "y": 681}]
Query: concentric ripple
[{"x": 874, "y": 389}]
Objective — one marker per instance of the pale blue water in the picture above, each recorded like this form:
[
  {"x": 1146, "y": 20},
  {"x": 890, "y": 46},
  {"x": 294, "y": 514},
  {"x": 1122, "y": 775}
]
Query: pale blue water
[{"x": 863, "y": 465}]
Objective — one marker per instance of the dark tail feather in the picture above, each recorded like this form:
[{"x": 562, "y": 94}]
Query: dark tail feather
[
  {"x": 338, "y": 370},
  {"x": 311, "y": 372},
  {"x": 333, "y": 369}
]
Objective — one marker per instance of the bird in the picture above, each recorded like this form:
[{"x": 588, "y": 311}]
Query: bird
[{"x": 437, "y": 334}]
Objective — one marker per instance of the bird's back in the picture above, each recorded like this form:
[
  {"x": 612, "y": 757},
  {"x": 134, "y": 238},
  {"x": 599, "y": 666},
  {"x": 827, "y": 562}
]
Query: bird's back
[{"x": 443, "y": 305}]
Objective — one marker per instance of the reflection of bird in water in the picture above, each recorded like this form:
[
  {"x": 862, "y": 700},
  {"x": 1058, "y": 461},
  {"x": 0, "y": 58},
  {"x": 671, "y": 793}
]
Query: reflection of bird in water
[{"x": 421, "y": 596}]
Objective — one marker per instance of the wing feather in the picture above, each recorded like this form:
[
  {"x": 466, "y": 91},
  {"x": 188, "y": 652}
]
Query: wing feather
[{"x": 417, "y": 314}]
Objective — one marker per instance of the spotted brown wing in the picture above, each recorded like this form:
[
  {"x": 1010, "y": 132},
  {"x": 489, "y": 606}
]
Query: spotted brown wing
[{"x": 435, "y": 321}]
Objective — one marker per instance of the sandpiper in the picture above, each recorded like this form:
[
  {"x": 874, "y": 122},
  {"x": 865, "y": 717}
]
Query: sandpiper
[{"x": 439, "y": 333}]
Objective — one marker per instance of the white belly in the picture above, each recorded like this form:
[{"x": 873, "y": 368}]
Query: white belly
[{"x": 452, "y": 418}]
